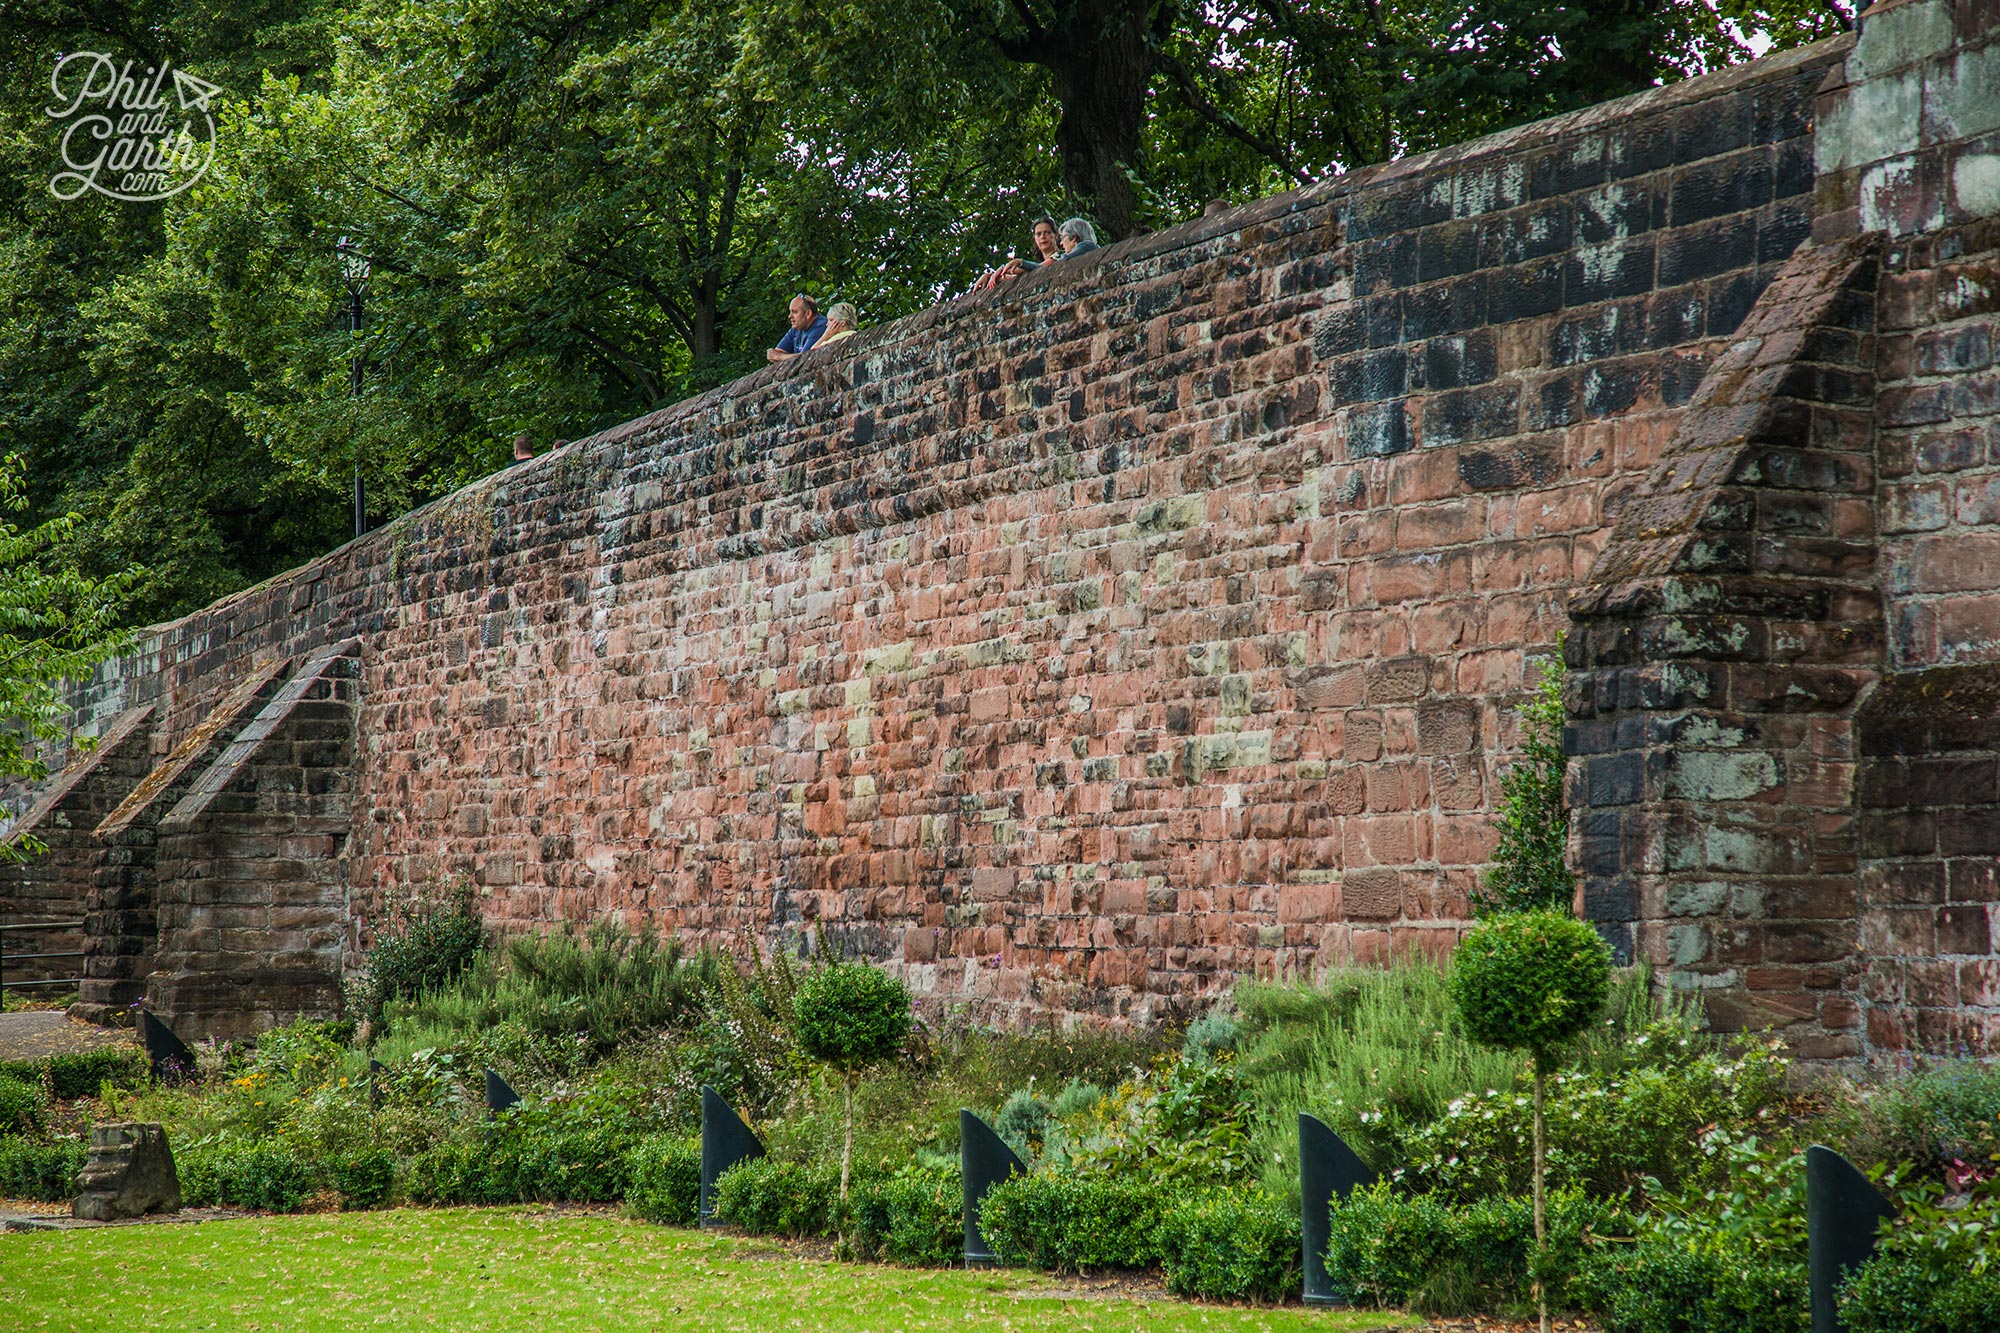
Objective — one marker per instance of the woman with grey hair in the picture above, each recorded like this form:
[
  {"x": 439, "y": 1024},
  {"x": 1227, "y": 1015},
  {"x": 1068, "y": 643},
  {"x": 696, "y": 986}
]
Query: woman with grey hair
[
  {"x": 841, "y": 317},
  {"x": 1078, "y": 237}
]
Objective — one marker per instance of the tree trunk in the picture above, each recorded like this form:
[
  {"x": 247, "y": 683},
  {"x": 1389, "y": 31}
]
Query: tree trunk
[
  {"x": 847, "y": 1144},
  {"x": 1541, "y": 1220},
  {"x": 1101, "y": 86}
]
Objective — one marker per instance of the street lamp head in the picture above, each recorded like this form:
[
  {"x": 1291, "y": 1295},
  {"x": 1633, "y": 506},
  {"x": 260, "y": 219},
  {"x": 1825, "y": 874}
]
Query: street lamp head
[{"x": 353, "y": 264}]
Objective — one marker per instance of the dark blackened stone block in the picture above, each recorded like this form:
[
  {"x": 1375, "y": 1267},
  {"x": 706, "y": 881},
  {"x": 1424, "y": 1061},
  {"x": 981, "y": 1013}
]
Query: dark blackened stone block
[
  {"x": 1614, "y": 213},
  {"x": 1554, "y": 404},
  {"x": 1610, "y": 900},
  {"x": 1642, "y": 146},
  {"x": 498, "y": 1095},
  {"x": 1447, "y": 250},
  {"x": 1599, "y": 332},
  {"x": 1525, "y": 290},
  {"x": 1729, "y": 303},
  {"x": 1444, "y": 307},
  {"x": 1385, "y": 320},
  {"x": 1792, "y": 170},
  {"x": 1680, "y": 376},
  {"x": 1509, "y": 467},
  {"x": 1465, "y": 415},
  {"x": 171, "y": 1060},
  {"x": 725, "y": 1141},
  {"x": 984, "y": 1160},
  {"x": 1385, "y": 263},
  {"x": 130, "y": 1172},
  {"x": 1370, "y": 377},
  {"x": 1713, "y": 247},
  {"x": 1618, "y": 935},
  {"x": 1378, "y": 431},
  {"x": 1785, "y": 110},
  {"x": 1609, "y": 390},
  {"x": 1608, "y": 272},
  {"x": 1723, "y": 185},
  {"x": 1328, "y": 1170},
  {"x": 1339, "y": 331},
  {"x": 1566, "y": 167},
  {"x": 1784, "y": 229},
  {"x": 1614, "y": 780},
  {"x": 1524, "y": 234},
  {"x": 1457, "y": 362},
  {"x": 1712, "y": 127},
  {"x": 1844, "y": 1213}
]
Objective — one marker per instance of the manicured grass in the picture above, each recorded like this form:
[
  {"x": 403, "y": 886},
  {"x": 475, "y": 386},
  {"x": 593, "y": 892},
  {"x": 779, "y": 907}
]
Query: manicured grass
[{"x": 469, "y": 1270}]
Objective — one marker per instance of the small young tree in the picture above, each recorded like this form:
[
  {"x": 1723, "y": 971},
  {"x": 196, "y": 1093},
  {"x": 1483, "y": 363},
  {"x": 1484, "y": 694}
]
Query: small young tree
[
  {"x": 1529, "y": 869},
  {"x": 850, "y": 1016},
  {"x": 1531, "y": 981}
]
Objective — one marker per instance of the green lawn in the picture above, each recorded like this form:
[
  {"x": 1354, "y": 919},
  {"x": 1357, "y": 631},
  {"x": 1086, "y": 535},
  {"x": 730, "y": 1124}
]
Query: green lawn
[{"x": 461, "y": 1270}]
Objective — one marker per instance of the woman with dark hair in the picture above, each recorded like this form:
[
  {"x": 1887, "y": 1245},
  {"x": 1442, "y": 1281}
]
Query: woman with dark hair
[{"x": 1047, "y": 245}]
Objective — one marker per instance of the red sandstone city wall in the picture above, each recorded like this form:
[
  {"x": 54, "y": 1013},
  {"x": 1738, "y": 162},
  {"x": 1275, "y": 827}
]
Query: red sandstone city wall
[{"x": 1157, "y": 622}]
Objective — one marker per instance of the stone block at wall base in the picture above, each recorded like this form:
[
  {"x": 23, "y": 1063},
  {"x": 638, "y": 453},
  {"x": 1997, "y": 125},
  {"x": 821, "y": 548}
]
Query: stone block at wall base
[
  {"x": 130, "y": 1173},
  {"x": 234, "y": 1005}
]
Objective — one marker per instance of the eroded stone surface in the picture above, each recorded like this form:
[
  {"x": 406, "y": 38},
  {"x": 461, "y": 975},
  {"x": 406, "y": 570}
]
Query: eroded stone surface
[{"x": 130, "y": 1172}]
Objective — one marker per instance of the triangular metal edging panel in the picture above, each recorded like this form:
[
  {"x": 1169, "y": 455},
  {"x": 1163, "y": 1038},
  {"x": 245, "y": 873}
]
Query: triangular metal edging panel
[
  {"x": 984, "y": 1160},
  {"x": 169, "y": 1056},
  {"x": 725, "y": 1141},
  {"x": 498, "y": 1095},
  {"x": 1844, "y": 1214},
  {"x": 1328, "y": 1170}
]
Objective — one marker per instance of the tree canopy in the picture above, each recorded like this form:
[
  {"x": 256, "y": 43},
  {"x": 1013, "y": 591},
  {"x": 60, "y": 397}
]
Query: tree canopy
[{"x": 574, "y": 212}]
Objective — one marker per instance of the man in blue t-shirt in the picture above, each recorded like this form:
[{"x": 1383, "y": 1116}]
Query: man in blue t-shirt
[{"x": 807, "y": 326}]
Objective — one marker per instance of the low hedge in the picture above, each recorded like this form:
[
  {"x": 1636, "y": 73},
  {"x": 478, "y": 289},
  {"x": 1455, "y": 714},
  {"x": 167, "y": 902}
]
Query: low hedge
[
  {"x": 82, "y": 1073},
  {"x": 767, "y": 1197},
  {"x": 23, "y": 1106},
  {"x": 1418, "y": 1251},
  {"x": 1230, "y": 1246},
  {"x": 236, "y": 1174},
  {"x": 913, "y": 1217},
  {"x": 663, "y": 1180},
  {"x": 45, "y": 1172},
  {"x": 1072, "y": 1223}
]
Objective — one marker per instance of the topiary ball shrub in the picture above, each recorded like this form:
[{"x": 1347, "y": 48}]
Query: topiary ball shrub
[
  {"x": 851, "y": 1016},
  {"x": 1230, "y": 1247},
  {"x": 1530, "y": 981},
  {"x": 664, "y": 1182}
]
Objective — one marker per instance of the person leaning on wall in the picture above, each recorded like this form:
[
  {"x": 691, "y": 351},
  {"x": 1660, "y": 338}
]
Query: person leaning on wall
[
  {"x": 1077, "y": 237},
  {"x": 808, "y": 325},
  {"x": 841, "y": 318}
]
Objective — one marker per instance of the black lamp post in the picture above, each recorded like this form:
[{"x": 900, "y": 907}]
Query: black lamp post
[{"x": 354, "y": 269}]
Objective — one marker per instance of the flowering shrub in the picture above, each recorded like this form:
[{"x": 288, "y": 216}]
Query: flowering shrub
[
  {"x": 1608, "y": 1132},
  {"x": 1730, "y": 1259}
]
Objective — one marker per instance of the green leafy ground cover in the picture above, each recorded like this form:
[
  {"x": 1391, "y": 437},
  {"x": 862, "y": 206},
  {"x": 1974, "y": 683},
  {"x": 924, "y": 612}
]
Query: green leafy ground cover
[{"x": 506, "y": 1269}]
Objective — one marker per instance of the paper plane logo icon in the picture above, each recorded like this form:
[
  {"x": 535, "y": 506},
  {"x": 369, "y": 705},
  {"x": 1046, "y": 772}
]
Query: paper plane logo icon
[{"x": 193, "y": 92}]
